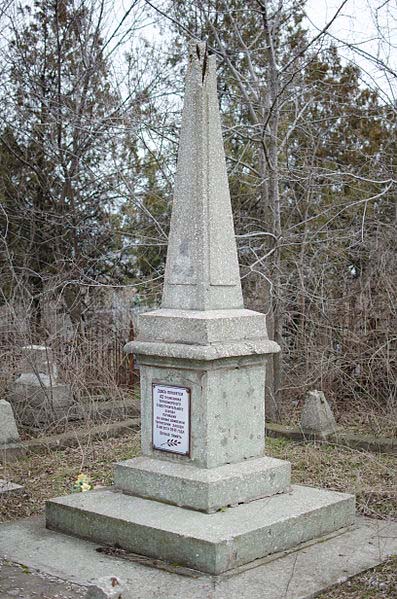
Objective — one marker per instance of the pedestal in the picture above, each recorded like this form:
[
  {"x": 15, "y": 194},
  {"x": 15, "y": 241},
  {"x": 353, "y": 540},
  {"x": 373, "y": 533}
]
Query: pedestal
[{"x": 214, "y": 501}]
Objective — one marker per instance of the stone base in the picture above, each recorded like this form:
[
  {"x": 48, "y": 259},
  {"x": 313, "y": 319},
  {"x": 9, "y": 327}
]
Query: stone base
[
  {"x": 206, "y": 490},
  {"x": 304, "y": 573},
  {"x": 212, "y": 543},
  {"x": 35, "y": 404}
]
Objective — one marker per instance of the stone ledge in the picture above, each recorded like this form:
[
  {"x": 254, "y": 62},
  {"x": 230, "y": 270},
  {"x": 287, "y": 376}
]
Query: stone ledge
[
  {"x": 370, "y": 443},
  {"x": 205, "y": 353},
  {"x": 202, "y": 489},
  {"x": 212, "y": 543},
  {"x": 75, "y": 437},
  {"x": 202, "y": 327}
]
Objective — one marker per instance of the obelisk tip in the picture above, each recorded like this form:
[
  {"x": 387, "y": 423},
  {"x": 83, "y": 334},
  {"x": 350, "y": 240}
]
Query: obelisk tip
[{"x": 200, "y": 58}]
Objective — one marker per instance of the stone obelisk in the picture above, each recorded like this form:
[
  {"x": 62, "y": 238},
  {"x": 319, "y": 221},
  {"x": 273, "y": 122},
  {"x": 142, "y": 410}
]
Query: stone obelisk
[
  {"x": 202, "y": 340},
  {"x": 203, "y": 493}
]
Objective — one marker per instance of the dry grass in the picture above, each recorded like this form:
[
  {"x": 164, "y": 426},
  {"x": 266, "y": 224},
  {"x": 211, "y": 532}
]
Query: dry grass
[
  {"x": 361, "y": 418},
  {"x": 53, "y": 473},
  {"x": 371, "y": 477},
  {"x": 378, "y": 583}
]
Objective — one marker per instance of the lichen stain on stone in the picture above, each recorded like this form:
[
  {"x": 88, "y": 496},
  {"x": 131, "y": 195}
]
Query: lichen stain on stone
[{"x": 184, "y": 247}]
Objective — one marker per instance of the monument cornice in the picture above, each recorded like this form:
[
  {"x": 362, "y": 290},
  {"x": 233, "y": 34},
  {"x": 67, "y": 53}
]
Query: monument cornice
[{"x": 215, "y": 351}]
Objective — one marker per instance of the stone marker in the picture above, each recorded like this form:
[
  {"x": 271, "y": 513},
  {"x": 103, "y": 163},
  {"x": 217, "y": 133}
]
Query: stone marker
[
  {"x": 203, "y": 494},
  {"x": 11, "y": 446},
  {"x": 38, "y": 359},
  {"x": 8, "y": 488},
  {"x": 317, "y": 417},
  {"x": 8, "y": 428},
  {"x": 109, "y": 587},
  {"x": 36, "y": 395}
]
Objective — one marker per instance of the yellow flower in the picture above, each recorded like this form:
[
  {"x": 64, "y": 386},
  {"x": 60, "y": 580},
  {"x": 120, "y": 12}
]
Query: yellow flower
[
  {"x": 82, "y": 484},
  {"x": 82, "y": 478}
]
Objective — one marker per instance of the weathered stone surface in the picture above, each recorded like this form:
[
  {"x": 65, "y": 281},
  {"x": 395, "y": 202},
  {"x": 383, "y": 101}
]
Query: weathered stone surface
[
  {"x": 211, "y": 543},
  {"x": 108, "y": 587},
  {"x": 317, "y": 416},
  {"x": 216, "y": 351},
  {"x": 296, "y": 574},
  {"x": 227, "y": 411},
  {"x": 202, "y": 270},
  {"x": 33, "y": 380},
  {"x": 201, "y": 327},
  {"x": 8, "y": 428},
  {"x": 9, "y": 488},
  {"x": 202, "y": 489}
]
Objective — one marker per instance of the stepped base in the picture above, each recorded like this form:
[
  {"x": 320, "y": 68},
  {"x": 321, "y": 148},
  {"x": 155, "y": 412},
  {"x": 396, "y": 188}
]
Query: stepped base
[
  {"x": 212, "y": 543},
  {"x": 206, "y": 490}
]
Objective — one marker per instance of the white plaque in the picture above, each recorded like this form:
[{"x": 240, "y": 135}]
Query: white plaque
[{"x": 171, "y": 418}]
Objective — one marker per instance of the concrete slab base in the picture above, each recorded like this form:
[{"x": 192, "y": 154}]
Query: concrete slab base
[
  {"x": 203, "y": 489},
  {"x": 211, "y": 543},
  {"x": 297, "y": 574}
]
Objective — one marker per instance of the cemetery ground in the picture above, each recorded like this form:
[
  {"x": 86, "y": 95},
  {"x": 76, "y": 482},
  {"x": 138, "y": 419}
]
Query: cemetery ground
[{"x": 371, "y": 477}]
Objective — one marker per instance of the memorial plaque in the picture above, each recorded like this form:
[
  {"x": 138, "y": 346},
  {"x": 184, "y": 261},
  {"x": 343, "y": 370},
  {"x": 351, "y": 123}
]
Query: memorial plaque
[{"x": 171, "y": 418}]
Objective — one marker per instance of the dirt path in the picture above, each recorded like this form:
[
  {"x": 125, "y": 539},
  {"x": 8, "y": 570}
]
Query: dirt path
[{"x": 18, "y": 582}]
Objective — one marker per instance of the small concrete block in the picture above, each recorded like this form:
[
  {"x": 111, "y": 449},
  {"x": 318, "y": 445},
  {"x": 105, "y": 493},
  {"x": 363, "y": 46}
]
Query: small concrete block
[
  {"x": 8, "y": 428},
  {"x": 35, "y": 403},
  {"x": 12, "y": 452},
  {"x": 212, "y": 543},
  {"x": 38, "y": 359},
  {"x": 8, "y": 488},
  {"x": 206, "y": 490},
  {"x": 317, "y": 416},
  {"x": 109, "y": 587}
]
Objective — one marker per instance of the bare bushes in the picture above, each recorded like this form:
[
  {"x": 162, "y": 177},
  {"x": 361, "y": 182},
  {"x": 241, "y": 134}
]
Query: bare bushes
[
  {"x": 339, "y": 332},
  {"x": 100, "y": 377},
  {"x": 88, "y": 378}
]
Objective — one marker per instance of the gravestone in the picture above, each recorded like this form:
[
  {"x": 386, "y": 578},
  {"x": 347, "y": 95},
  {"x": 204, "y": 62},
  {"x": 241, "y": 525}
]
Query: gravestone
[
  {"x": 37, "y": 395},
  {"x": 203, "y": 494},
  {"x": 8, "y": 428},
  {"x": 8, "y": 488},
  {"x": 10, "y": 442},
  {"x": 317, "y": 417}
]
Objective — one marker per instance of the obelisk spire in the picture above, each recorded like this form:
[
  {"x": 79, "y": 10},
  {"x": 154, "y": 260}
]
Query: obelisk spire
[{"x": 202, "y": 270}]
